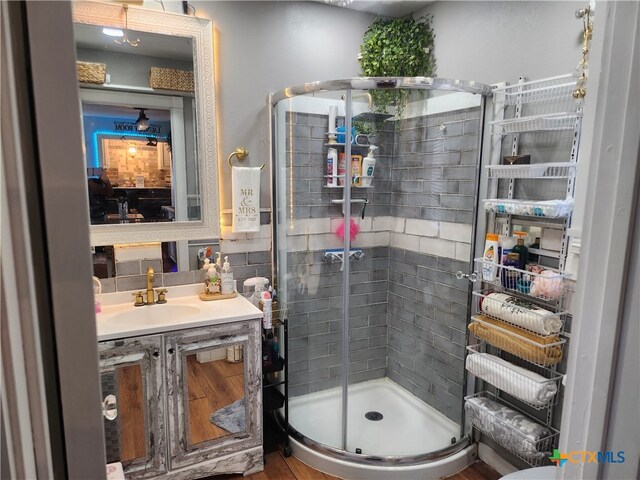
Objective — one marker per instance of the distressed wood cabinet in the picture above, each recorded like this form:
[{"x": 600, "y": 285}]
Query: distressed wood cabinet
[
  {"x": 131, "y": 373},
  {"x": 188, "y": 402}
]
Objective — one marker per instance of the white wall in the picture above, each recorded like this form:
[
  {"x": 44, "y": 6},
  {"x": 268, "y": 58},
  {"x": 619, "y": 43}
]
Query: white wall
[
  {"x": 491, "y": 41},
  {"x": 265, "y": 46}
]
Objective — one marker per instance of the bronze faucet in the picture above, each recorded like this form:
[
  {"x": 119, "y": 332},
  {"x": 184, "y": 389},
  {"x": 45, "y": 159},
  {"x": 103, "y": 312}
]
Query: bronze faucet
[{"x": 151, "y": 294}]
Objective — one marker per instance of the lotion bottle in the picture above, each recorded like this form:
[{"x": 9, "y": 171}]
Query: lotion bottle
[
  {"x": 490, "y": 258},
  {"x": 226, "y": 278},
  {"x": 368, "y": 166}
]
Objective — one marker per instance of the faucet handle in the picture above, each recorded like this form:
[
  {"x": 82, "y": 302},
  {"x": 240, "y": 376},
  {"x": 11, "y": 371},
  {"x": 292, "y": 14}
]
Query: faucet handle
[
  {"x": 161, "y": 295},
  {"x": 139, "y": 301}
]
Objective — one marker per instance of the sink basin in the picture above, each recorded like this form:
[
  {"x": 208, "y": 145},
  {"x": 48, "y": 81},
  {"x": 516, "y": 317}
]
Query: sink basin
[{"x": 153, "y": 314}]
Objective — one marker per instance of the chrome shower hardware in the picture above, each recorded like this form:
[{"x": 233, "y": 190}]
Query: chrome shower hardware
[{"x": 337, "y": 256}]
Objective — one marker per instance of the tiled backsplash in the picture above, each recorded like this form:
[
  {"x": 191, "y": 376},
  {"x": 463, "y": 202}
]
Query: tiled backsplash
[
  {"x": 131, "y": 275},
  {"x": 124, "y": 167}
]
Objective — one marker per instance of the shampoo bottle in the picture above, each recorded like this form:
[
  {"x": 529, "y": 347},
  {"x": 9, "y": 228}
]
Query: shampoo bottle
[
  {"x": 368, "y": 166},
  {"x": 342, "y": 168},
  {"x": 332, "y": 168},
  {"x": 506, "y": 246},
  {"x": 356, "y": 170},
  {"x": 521, "y": 250},
  {"x": 226, "y": 278},
  {"x": 490, "y": 257}
]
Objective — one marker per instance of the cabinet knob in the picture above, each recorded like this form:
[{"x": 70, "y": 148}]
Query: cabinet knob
[
  {"x": 156, "y": 354},
  {"x": 171, "y": 351}
]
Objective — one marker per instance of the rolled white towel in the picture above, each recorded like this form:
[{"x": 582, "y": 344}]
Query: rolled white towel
[
  {"x": 523, "y": 314},
  {"x": 523, "y": 384}
]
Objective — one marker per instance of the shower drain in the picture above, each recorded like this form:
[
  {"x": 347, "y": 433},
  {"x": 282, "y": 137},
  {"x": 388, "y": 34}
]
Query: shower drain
[{"x": 373, "y": 416}]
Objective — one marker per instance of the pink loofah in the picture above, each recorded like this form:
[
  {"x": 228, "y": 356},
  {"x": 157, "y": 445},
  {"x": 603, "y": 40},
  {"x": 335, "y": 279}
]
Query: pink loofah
[
  {"x": 547, "y": 284},
  {"x": 354, "y": 230}
]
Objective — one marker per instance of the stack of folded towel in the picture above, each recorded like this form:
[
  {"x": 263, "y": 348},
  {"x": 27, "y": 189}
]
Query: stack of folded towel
[
  {"x": 523, "y": 384},
  {"x": 521, "y": 313},
  {"x": 517, "y": 341},
  {"x": 509, "y": 428}
]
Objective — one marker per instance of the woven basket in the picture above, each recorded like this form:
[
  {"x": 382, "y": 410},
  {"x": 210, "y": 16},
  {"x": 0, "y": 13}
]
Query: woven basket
[
  {"x": 170, "y": 79},
  {"x": 89, "y": 72}
]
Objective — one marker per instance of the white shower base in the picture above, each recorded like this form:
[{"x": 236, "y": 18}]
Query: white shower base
[{"x": 409, "y": 427}]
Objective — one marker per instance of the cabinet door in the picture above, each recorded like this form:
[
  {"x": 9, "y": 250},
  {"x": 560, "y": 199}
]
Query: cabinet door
[
  {"x": 133, "y": 404},
  {"x": 214, "y": 391}
]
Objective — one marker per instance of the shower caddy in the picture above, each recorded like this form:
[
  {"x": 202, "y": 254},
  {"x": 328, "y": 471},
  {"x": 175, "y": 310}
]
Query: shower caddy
[{"x": 535, "y": 351}]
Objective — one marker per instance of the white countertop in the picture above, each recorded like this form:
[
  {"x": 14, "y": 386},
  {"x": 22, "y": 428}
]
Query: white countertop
[{"x": 113, "y": 321}]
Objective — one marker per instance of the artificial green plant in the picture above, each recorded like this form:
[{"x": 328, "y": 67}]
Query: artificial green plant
[{"x": 399, "y": 47}]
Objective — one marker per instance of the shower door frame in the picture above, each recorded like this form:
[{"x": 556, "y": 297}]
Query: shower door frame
[{"x": 348, "y": 85}]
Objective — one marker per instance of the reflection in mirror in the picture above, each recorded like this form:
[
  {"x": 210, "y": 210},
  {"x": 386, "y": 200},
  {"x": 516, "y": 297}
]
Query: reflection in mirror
[
  {"x": 149, "y": 123},
  {"x": 171, "y": 268},
  {"x": 215, "y": 393},
  {"x": 129, "y": 176},
  {"x": 124, "y": 418}
]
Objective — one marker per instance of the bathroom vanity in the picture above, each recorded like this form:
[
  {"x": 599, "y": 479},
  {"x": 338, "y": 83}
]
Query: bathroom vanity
[{"x": 181, "y": 385}]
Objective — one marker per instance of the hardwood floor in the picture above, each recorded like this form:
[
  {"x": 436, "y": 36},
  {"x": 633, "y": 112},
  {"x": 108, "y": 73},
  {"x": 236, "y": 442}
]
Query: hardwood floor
[
  {"x": 278, "y": 467},
  {"x": 131, "y": 413},
  {"x": 212, "y": 386}
]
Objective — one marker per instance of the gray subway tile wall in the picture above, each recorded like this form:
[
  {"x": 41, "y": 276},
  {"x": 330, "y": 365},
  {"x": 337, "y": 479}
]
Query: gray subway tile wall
[
  {"x": 408, "y": 312},
  {"x": 316, "y": 320},
  {"x": 307, "y": 150},
  {"x": 434, "y": 167}
]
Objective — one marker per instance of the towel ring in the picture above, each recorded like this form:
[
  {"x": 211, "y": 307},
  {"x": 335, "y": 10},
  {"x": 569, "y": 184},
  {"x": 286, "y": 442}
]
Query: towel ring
[{"x": 241, "y": 153}]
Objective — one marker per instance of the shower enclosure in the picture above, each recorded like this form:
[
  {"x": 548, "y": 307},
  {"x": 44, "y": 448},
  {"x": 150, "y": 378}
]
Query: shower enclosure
[{"x": 377, "y": 317}]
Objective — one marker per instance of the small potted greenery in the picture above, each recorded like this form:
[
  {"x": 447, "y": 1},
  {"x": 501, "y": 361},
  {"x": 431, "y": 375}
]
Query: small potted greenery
[{"x": 400, "y": 47}]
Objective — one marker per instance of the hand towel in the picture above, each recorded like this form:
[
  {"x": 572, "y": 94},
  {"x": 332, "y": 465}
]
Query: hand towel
[
  {"x": 245, "y": 185},
  {"x": 523, "y": 384},
  {"x": 521, "y": 313}
]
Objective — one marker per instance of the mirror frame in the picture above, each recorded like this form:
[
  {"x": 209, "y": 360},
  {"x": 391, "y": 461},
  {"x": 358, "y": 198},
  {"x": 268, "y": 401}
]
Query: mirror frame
[{"x": 201, "y": 31}]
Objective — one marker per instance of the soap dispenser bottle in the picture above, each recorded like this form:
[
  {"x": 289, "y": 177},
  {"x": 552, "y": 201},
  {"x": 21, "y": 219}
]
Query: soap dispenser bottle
[
  {"x": 213, "y": 277},
  {"x": 226, "y": 277},
  {"x": 368, "y": 166}
]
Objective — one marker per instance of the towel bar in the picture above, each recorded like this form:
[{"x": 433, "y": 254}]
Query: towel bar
[{"x": 241, "y": 153}]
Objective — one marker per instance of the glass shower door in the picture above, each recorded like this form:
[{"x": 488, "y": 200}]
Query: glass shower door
[
  {"x": 408, "y": 313},
  {"x": 309, "y": 262}
]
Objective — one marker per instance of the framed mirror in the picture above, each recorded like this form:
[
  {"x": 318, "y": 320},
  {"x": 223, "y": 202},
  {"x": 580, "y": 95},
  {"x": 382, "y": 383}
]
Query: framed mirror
[{"x": 146, "y": 82}]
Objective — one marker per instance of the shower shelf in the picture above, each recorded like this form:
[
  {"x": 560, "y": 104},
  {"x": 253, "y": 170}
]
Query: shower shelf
[
  {"x": 340, "y": 201},
  {"x": 536, "y": 123},
  {"x": 353, "y": 145},
  {"x": 342, "y": 186},
  {"x": 521, "y": 313},
  {"x": 544, "y": 351},
  {"x": 551, "y": 89},
  {"x": 546, "y": 287},
  {"x": 532, "y": 385},
  {"x": 496, "y": 425},
  {"x": 530, "y": 208},
  {"x": 540, "y": 170}
]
